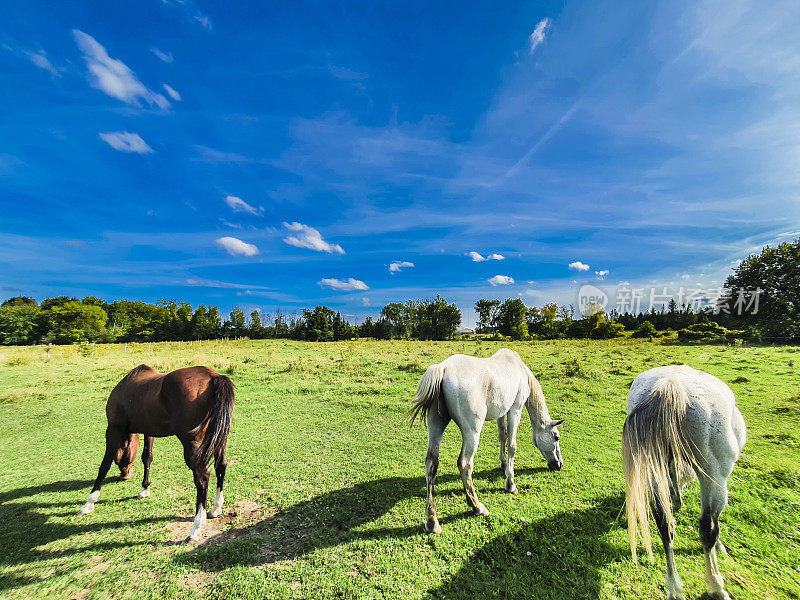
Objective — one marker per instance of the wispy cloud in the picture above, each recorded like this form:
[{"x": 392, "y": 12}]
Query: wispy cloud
[
  {"x": 536, "y": 38},
  {"x": 578, "y": 266},
  {"x": 399, "y": 265},
  {"x": 236, "y": 247},
  {"x": 602, "y": 274},
  {"x": 239, "y": 205},
  {"x": 112, "y": 76},
  {"x": 344, "y": 285},
  {"x": 125, "y": 141},
  {"x": 477, "y": 257},
  {"x": 192, "y": 12},
  {"x": 501, "y": 280},
  {"x": 229, "y": 224},
  {"x": 172, "y": 92},
  {"x": 308, "y": 237},
  {"x": 214, "y": 156},
  {"x": 165, "y": 56},
  {"x": 40, "y": 60},
  {"x": 346, "y": 74}
]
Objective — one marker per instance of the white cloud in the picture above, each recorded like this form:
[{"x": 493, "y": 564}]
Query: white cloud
[
  {"x": 365, "y": 302},
  {"x": 602, "y": 274},
  {"x": 536, "y": 38},
  {"x": 112, "y": 76},
  {"x": 165, "y": 56},
  {"x": 40, "y": 60},
  {"x": 229, "y": 224},
  {"x": 310, "y": 238},
  {"x": 125, "y": 141},
  {"x": 344, "y": 285},
  {"x": 204, "y": 20},
  {"x": 398, "y": 265},
  {"x": 172, "y": 92},
  {"x": 578, "y": 266},
  {"x": 239, "y": 205},
  {"x": 501, "y": 280},
  {"x": 476, "y": 257},
  {"x": 235, "y": 246}
]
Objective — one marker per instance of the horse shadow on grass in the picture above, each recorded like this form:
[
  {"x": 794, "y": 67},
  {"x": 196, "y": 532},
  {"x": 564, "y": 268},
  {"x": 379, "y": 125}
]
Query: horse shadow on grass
[
  {"x": 331, "y": 519},
  {"x": 557, "y": 557},
  {"x": 29, "y": 526}
]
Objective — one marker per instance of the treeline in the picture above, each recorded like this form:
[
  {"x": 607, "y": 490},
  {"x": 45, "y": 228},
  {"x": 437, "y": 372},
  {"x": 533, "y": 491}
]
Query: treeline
[
  {"x": 511, "y": 318},
  {"x": 65, "y": 320}
]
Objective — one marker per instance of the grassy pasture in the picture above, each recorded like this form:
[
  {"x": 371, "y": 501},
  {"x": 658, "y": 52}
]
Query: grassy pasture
[{"x": 324, "y": 497}]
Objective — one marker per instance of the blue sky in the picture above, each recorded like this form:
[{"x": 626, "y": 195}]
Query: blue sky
[{"x": 353, "y": 154}]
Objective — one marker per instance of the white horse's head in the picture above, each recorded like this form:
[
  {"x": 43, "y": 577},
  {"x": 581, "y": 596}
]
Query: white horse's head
[{"x": 546, "y": 438}]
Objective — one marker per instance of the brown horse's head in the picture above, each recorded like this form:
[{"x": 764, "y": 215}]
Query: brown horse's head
[{"x": 126, "y": 455}]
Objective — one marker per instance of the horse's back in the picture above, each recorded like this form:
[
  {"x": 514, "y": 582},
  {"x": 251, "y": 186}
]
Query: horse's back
[
  {"x": 711, "y": 413},
  {"x": 191, "y": 383},
  {"x": 485, "y": 387}
]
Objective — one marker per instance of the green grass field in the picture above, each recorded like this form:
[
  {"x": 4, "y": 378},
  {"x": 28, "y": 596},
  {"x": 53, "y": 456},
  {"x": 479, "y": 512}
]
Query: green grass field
[{"x": 325, "y": 489}]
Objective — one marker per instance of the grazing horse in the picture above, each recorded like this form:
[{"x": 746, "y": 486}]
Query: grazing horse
[
  {"x": 194, "y": 404},
  {"x": 470, "y": 390},
  {"x": 681, "y": 422}
]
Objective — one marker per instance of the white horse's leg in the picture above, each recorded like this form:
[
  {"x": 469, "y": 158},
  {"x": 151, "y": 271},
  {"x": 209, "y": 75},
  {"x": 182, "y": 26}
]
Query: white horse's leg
[
  {"x": 667, "y": 532},
  {"x": 466, "y": 462},
  {"x": 714, "y": 498},
  {"x": 501, "y": 431},
  {"x": 513, "y": 423},
  {"x": 436, "y": 426}
]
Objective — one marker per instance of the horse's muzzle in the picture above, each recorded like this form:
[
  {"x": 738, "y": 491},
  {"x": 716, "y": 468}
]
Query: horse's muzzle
[{"x": 555, "y": 465}]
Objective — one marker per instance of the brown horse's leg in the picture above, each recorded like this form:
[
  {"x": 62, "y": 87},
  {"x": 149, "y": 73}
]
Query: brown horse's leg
[
  {"x": 114, "y": 440},
  {"x": 201, "y": 472},
  {"x": 147, "y": 458},
  {"x": 220, "y": 466}
]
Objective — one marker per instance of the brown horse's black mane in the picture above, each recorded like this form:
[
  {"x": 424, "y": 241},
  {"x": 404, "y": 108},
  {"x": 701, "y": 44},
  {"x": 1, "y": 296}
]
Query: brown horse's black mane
[{"x": 135, "y": 371}]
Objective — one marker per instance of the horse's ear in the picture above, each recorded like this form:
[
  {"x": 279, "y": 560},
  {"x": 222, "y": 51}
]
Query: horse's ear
[{"x": 554, "y": 423}]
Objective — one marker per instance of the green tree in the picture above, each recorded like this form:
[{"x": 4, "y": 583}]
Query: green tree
[
  {"x": 317, "y": 324},
  {"x": 773, "y": 279},
  {"x": 20, "y": 301},
  {"x": 511, "y": 319},
  {"x": 255, "y": 330},
  {"x": 73, "y": 321},
  {"x": 400, "y": 318},
  {"x": 236, "y": 325},
  {"x": 18, "y": 323},
  {"x": 487, "y": 315}
]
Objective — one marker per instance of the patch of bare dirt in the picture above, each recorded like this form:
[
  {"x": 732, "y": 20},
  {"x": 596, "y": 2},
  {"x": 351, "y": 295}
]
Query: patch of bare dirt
[{"x": 243, "y": 515}]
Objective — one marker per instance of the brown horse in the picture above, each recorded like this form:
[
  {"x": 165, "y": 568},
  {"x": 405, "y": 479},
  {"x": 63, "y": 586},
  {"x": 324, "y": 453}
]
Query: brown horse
[{"x": 195, "y": 404}]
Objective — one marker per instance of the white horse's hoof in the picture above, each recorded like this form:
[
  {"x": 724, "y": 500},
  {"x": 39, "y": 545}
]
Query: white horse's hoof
[
  {"x": 144, "y": 494},
  {"x": 433, "y": 527},
  {"x": 480, "y": 510},
  {"x": 513, "y": 489},
  {"x": 86, "y": 509},
  {"x": 215, "y": 512},
  {"x": 192, "y": 538}
]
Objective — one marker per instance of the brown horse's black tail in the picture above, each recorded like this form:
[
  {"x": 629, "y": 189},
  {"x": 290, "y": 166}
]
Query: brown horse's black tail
[{"x": 219, "y": 419}]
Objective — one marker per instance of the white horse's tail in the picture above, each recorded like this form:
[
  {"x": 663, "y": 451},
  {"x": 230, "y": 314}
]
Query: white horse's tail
[
  {"x": 652, "y": 437},
  {"x": 429, "y": 391}
]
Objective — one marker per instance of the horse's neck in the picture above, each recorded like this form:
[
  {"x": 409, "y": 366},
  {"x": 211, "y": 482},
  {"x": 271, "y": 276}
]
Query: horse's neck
[{"x": 537, "y": 413}]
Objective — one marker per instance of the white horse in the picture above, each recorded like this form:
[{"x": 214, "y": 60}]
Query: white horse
[
  {"x": 681, "y": 422},
  {"x": 471, "y": 390}
]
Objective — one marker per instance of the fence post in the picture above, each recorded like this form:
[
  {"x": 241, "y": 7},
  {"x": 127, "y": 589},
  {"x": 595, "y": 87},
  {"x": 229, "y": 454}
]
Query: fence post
[
  {"x": 124, "y": 352},
  {"x": 92, "y": 349},
  {"x": 148, "y": 346}
]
